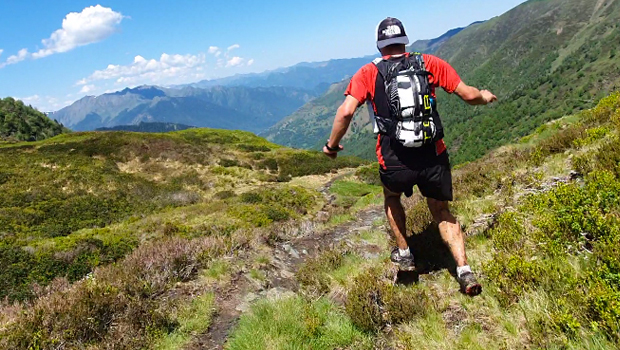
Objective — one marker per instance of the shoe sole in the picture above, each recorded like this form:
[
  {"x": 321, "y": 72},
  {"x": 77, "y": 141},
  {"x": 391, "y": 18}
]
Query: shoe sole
[
  {"x": 407, "y": 269},
  {"x": 473, "y": 290}
]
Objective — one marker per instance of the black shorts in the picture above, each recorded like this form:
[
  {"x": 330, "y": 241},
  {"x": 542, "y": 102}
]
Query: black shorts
[{"x": 434, "y": 178}]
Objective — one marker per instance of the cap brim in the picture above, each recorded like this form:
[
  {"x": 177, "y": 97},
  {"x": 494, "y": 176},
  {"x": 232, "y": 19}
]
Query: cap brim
[{"x": 403, "y": 40}]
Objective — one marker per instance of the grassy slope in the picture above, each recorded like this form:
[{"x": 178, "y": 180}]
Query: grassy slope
[
  {"x": 549, "y": 261},
  {"x": 162, "y": 207},
  {"x": 544, "y": 59},
  {"x": 82, "y": 200}
]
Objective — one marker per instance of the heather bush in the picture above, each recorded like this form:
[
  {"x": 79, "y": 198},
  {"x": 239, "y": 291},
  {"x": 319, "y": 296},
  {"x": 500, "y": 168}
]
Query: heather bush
[
  {"x": 369, "y": 174},
  {"x": 373, "y": 301},
  {"x": 313, "y": 274},
  {"x": 117, "y": 306}
]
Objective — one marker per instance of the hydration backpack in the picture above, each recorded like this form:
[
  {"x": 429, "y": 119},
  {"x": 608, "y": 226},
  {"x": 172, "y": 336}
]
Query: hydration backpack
[{"x": 413, "y": 119}]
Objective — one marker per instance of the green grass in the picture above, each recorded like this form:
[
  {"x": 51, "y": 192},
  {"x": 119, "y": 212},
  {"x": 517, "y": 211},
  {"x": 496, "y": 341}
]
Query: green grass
[
  {"x": 296, "y": 323},
  {"x": 193, "y": 319}
]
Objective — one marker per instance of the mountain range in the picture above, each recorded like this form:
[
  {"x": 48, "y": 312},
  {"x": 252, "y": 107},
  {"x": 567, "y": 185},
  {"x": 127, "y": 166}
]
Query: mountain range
[
  {"x": 236, "y": 107},
  {"x": 252, "y": 102}
]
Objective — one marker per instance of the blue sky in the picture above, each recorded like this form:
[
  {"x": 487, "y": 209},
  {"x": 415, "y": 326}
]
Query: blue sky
[{"x": 55, "y": 52}]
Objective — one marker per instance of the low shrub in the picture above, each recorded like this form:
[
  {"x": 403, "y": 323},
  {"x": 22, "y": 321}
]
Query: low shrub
[
  {"x": 514, "y": 274},
  {"x": 313, "y": 273},
  {"x": 227, "y": 163},
  {"x": 120, "y": 306},
  {"x": 374, "y": 302},
  {"x": 369, "y": 174}
]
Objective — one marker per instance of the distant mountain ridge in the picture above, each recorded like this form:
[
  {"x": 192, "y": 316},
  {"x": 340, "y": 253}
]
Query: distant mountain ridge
[{"x": 237, "y": 107}]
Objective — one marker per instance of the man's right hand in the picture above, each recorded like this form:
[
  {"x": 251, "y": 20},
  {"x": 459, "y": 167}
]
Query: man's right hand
[
  {"x": 473, "y": 96},
  {"x": 332, "y": 154},
  {"x": 488, "y": 96}
]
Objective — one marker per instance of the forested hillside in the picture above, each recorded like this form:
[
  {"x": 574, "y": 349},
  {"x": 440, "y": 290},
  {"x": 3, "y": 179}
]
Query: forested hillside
[
  {"x": 19, "y": 122},
  {"x": 543, "y": 59}
]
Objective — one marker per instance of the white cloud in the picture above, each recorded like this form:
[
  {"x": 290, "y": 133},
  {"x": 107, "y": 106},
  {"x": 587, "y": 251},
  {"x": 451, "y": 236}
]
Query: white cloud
[
  {"x": 30, "y": 99},
  {"x": 92, "y": 25},
  {"x": 235, "y": 61},
  {"x": 1, "y": 51},
  {"x": 214, "y": 50},
  {"x": 168, "y": 69},
  {"x": 44, "y": 103},
  {"x": 232, "y": 47},
  {"x": 141, "y": 71},
  {"x": 21, "y": 55},
  {"x": 250, "y": 62},
  {"x": 87, "y": 88}
]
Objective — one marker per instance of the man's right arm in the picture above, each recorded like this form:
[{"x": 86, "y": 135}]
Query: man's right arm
[{"x": 473, "y": 96}]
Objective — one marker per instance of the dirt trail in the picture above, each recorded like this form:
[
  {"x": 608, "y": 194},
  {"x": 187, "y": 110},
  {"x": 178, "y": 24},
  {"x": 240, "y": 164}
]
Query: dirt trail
[{"x": 287, "y": 256}]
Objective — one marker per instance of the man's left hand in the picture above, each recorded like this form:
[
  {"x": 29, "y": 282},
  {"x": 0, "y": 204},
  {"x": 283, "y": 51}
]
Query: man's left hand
[{"x": 332, "y": 154}]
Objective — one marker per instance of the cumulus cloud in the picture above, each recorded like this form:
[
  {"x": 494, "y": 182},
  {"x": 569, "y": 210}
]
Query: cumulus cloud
[
  {"x": 215, "y": 51},
  {"x": 164, "y": 70},
  {"x": 232, "y": 47},
  {"x": 142, "y": 70},
  {"x": 92, "y": 25},
  {"x": 87, "y": 88},
  {"x": 235, "y": 61},
  {"x": 20, "y": 56}
]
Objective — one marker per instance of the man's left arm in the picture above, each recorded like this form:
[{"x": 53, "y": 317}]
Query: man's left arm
[{"x": 343, "y": 118}]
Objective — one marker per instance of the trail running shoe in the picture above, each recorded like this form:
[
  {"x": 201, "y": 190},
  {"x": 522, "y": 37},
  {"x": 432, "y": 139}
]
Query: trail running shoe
[
  {"x": 405, "y": 263},
  {"x": 469, "y": 284}
]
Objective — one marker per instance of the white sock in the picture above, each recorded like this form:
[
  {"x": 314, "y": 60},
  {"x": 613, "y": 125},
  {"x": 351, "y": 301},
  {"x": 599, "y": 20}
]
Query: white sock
[
  {"x": 404, "y": 252},
  {"x": 462, "y": 269}
]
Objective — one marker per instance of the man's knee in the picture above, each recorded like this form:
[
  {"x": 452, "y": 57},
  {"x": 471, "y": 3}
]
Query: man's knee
[{"x": 389, "y": 195}]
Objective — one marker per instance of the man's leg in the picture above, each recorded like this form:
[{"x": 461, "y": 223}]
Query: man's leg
[
  {"x": 396, "y": 216},
  {"x": 398, "y": 222},
  {"x": 452, "y": 235},
  {"x": 450, "y": 229}
]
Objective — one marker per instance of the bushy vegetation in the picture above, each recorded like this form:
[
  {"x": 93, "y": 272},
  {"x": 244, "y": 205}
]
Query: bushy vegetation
[
  {"x": 78, "y": 201},
  {"x": 373, "y": 302},
  {"x": 19, "y": 122}
]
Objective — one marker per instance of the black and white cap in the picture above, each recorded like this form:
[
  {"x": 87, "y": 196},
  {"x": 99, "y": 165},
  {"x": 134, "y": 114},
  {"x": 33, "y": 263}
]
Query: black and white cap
[{"x": 389, "y": 32}]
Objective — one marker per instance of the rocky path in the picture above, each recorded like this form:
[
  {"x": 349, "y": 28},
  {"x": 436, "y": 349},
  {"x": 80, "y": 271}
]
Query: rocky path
[{"x": 287, "y": 256}]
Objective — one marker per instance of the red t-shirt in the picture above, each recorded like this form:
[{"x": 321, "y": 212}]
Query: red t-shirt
[{"x": 362, "y": 85}]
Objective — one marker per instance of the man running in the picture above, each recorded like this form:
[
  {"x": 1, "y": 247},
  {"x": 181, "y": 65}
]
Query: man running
[{"x": 401, "y": 90}]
